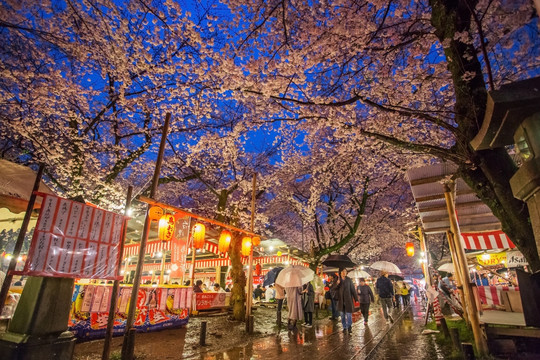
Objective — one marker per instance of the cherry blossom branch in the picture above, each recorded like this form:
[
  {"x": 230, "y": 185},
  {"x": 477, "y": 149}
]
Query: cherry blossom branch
[{"x": 439, "y": 152}]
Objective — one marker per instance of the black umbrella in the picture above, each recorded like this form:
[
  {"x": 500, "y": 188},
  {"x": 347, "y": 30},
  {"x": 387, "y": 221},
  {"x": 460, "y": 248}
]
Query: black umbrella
[
  {"x": 395, "y": 277},
  {"x": 271, "y": 275},
  {"x": 339, "y": 261}
]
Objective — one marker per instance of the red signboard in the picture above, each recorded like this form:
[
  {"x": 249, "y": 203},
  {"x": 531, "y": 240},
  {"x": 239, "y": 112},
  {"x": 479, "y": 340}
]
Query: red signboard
[
  {"x": 210, "y": 300},
  {"x": 179, "y": 247},
  {"x": 72, "y": 239}
]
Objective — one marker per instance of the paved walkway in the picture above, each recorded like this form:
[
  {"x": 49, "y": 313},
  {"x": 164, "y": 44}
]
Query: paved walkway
[{"x": 326, "y": 341}]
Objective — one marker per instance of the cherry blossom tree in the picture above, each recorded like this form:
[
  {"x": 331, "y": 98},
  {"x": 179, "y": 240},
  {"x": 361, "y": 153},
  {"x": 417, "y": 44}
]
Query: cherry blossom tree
[
  {"x": 85, "y": 87},
  {"x": 411, "y": 74}
]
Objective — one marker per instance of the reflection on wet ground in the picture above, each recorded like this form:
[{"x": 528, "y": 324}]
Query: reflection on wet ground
[{"x": 325, "y": 340}]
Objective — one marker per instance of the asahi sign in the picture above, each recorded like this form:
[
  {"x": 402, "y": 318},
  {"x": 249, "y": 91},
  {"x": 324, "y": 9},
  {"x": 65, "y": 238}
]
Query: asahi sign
[{"x": 515, "y": 259}]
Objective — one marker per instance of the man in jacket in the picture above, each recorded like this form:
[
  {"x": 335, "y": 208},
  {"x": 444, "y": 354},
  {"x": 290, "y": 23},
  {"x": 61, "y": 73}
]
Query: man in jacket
[
  {"x": 386, "y": 293},
  {"x": 365, "y": 296},
  {"x": 346, "y": 293}
]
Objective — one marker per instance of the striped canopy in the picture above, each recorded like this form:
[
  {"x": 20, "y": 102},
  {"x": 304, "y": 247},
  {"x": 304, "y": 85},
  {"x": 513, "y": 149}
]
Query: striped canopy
[{"x": 486, "y": 240}]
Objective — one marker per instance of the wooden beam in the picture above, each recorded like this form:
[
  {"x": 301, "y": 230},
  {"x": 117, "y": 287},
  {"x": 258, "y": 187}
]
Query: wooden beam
[
  {"x": 443, "y": 207},
  {"x": 428, "y": 180},
  {"x": 441, "y": 196}
]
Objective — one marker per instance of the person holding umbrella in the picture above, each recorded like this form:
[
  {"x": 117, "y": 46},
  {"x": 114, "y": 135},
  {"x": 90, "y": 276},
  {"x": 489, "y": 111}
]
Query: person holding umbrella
[
  {"x": 294, "y": 304},
  {"x": 292, "y": 278},
  {"x": 385, "y": 289},
  {"x": 346, "y": 293}
]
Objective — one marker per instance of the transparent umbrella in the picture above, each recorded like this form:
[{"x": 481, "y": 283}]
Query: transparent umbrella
[
  {"x": 385, "y": 266},
  {"x": 448, "y": 267},
  {"x": 359, "y": 274},
  {"x": 294, "y": 276}
]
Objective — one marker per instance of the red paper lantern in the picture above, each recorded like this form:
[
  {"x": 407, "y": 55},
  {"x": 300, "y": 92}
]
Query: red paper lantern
[
  {"x": 224, "y": 241},
  {"x": 246, "y": 246},
  {"x": 258, "y": 269},
  {"x": 256, "y": 241},
  {"x": 410, "y": 248},
  {"x": 198, "y": 235},
  {"x": 166, "y": 227}
]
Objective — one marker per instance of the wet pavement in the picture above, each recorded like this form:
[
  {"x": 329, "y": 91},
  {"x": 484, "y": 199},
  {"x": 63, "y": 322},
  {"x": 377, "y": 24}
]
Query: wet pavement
[{"x": 325, "y": 340}]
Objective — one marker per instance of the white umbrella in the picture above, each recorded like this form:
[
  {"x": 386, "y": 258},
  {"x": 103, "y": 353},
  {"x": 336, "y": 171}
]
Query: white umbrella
[
  {"x": 359, "y": 274},
  {"x": 294, "y": 276},
  {"x": 448, "y": 267},
  {"x": 386, "y": 266}
]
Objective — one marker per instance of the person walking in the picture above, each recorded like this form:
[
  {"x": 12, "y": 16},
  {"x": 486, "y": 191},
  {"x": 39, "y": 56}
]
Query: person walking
[
  {"x": 308, "y": 304},
  {"x": 346, "y": 293},
  {"x": 294, "y": 304},
  {"x": 333, "y": 296},
  {"x": 365, "y": 297},
  {"x": 386, "y": 292},
  {"x": 397, "y": 294},
  {"x": 280, "y": 295},
  {"x": 405, "y": 294}
]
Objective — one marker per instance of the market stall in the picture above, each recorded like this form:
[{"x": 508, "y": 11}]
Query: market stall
[{"x": 158, "y": 308}]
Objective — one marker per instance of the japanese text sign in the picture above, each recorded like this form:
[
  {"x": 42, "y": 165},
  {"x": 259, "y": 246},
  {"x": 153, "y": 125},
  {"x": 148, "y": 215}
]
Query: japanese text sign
[{"x": 72, "y": 239}]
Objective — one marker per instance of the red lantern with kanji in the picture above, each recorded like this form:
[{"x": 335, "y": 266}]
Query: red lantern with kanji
[
  {"x": 410, "y": 248},
  {"x": 224, "y": 241},
  {"x": 246, "y": 246},
  {"x": 258, "y": 270},
  {"x": 166, "y": 227},
  {"x": 198, "y": 235}
]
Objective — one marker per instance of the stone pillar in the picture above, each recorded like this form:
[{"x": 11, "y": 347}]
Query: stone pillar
[{"x": 38, "y": 330}]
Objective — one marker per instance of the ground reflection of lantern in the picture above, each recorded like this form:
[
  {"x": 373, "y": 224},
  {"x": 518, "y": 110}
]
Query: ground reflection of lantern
[
  {"x": 198, "y": 236},
  {"x": 224, "y": 241},
  {"x": 166, "y": 227},
  {"x": 256, "y": 241},
  {"x": 258, "y": 269},
  {"x": 246, "y": 246},
  {"x": 410, "y": 248}
]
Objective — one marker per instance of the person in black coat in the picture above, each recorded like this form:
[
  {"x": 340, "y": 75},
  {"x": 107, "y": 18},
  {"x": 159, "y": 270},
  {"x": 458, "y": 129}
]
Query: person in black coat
[
  {"x": 365, "y": 296},
  {"x": 385, "y": 289},
  {"x": 346, "y": 293}
]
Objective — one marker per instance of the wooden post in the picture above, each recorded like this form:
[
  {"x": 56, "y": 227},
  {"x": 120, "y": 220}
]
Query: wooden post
[
  {"x": 249, "y": 297},
  {"x": 20, "y": 239},
  {"x": 479, "y": 340},
  {"x": 127, "y": 351},
  {"x": 459, "y": 275},
  {"x": 425, "y": 264},
  {"x": 116, "y": 284},
  {"x": 162, "y": 268}
]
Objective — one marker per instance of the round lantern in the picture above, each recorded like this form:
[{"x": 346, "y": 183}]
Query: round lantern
[
  {"x": 279, "y": 253},
  {"x": 155, "y": 213},
  {"x": 410, "y": 248},
  {"x": 198, "y": 236},
  {"x": 256, "y": 241},
  {"x": 246, "y": 246},
  {"x": 224, "y": 241},
  {"x": 166, "y": 227}
]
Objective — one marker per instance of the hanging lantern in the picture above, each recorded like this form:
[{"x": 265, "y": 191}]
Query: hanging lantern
[
  {"x": 166, "y": 227},
  {"x": 256, "y": 241},
  {"x": 224, "y": 241},
  {"x": 279, "y": 253},
  {"x": 258, "y": 269},
  {"x": 155, "y": 213},
  {"x": 198, "y": 236},
  {"x": 410, "y": 248},
  {"x": 246, "y": 246}
]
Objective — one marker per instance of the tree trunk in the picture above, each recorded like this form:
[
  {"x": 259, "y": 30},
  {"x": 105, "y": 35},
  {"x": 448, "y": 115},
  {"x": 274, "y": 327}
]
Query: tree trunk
[
  {"x": 487, "y": 172},
  {"x": 238, "y": 296}
]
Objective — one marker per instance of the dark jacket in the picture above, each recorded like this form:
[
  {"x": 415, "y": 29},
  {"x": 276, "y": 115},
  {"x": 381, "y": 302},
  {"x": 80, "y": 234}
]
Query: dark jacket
[
  {"x": 384, "y": 286},
  {"x": 346, "y": 293},
  {"x": 365, "y": 295}
]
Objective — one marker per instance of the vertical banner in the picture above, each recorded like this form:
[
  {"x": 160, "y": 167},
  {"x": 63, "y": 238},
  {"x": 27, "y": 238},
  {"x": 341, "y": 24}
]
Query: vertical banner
[
  {"x": 74, "y": 240},
  {"x": 179, "y": 247}
]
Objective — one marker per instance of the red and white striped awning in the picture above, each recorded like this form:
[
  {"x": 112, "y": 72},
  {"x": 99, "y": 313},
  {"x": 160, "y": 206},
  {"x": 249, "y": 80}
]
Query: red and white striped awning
[{"x": 486, "y": 240}]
